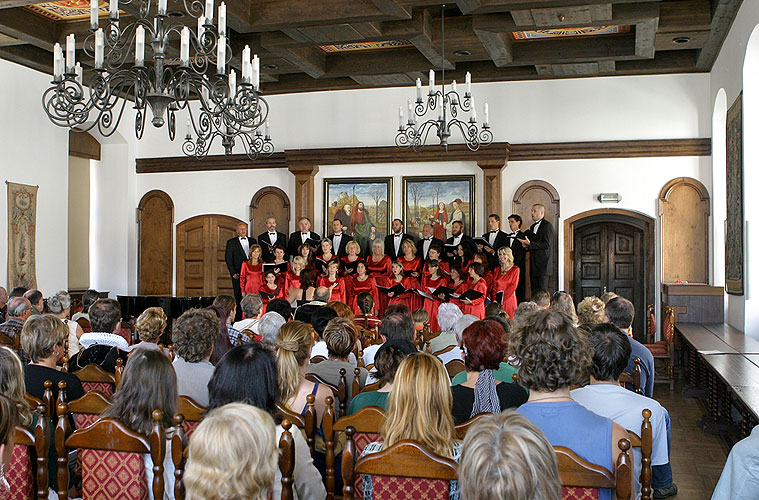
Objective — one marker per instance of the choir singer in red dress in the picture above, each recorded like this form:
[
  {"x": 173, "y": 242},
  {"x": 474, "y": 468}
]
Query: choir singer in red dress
[
  {"x": 476, "y": 307},
  {"x": 251, "y": 277},
  {"x": 506, "y": 280},
  {"x": 334, "y": 282},
  {"x": 361, "y": 282}
]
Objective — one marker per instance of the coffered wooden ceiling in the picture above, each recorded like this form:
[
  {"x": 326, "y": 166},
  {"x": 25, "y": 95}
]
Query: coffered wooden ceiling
[{"x": 308, "y": 45}]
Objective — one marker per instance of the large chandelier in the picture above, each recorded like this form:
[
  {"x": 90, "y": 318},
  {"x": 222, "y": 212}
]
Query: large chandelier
[
  {"x": 449, "y": 104},
  {"x": 230, "y": 109}
]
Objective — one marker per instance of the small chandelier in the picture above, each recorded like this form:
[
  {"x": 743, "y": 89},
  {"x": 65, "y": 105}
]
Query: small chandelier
[
  {"x": 229, "y": 109},
  {"x": 411, "y": 133}
]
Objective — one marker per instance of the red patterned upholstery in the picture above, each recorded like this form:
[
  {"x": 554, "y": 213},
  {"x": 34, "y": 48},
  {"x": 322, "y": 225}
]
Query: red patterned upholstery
[
  {"x": 579, "y": 493},
  {"x": 19, "y": 474},
  {"x": 397, "y": 488},
  {"x": 658, "y": 348},
  {"x": 113, "y": 475},
  {"x": 104, "y": 387},
  {"x": 189, "y": 427},
  {"x": 361, "y": 439},
  {"x": 124, "y": 332},
  {"x": 83, "y": 420}
]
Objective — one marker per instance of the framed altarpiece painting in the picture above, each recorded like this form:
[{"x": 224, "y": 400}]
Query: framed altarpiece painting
[
  {"x": 439, "y": 200},
  {"x": 734, "y": 257}
]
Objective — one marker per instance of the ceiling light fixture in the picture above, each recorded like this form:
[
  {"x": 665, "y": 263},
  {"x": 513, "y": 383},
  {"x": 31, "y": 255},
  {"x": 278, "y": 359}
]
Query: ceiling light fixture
[
  {"x": 230, "y": 110},
  {"x": 681, "y": 39},
  {"x": 411, "y": 134}
]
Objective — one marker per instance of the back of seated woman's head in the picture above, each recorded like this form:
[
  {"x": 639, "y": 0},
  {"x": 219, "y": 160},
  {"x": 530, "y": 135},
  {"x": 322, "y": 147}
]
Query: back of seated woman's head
[
  {"x": 524, "y": 310},
  {"x": 506, "y": 456},
  {"x": 41, "y": 334},
  {"x": 485, "y": 345},
  {"x": 293, "y": 348},
  {"x": 397, "y": 308},
  {"x": 365, "y": 303},
  {"x": 562, "y": 302},
  {"x": 342, "y": 309},
  {"x": 232, "y": 454},
  {"x": 12, "y": 383},
  {"x": 150, "y": 324},
  {"x": 389, "y": 358},
  {"x": 419, "y": 406},
  {"x": 149, "y": 383},
  {"x": 340, "y": 337},
  {"x": 447, "y": 316},
  {"x": 320, "y": 317},
  {"x": 246, "y": 374},
  {"x": 590, "y": 311},
  {"x": 552, "y": 352},
  {"x": 8, "y": 423},
  {"x": 282, "y": 307}
]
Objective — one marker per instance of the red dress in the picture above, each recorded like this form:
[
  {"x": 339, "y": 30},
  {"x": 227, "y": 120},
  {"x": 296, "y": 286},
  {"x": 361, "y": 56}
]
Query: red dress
[
  {"x": 356, "y": 287},
  {"x": 507, "y": 283},
  {"x": 477, "y": 308},
  {"x": 339, "y": 293},
  {"x": 380, "y": 271},
  {"x": 415, "y": 264},
  {"x": 406, "y": 298},
  {"x": 458, "y": 290},
  {"x": 278, "y": 293},
  {"x": 292, "y": 280},
  {"x": 488, "y": 278},
  {"x": 320, "y": 263},
  {"x": 251, "y": 278},
  {"x": 431, "y": 306},
  {"x": 347, "y": 261},
  {"x": 445, "y": 269}
]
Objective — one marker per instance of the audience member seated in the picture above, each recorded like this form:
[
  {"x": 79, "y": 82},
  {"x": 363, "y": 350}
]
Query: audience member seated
[
  {"x": 562, "y": 302},
  {"x": 293, "y": 348},
  {"x": 319, "y": 319},
  {"x": 8, "y": 423},
  {"x": 34, "y": 297},
  {"x": 17, "y": 291},
  {"x": 419, "y": 408},
  {"x": 19, "y": 310},
  {"x": 394, "y": 326},
  {"x": 590, "y": 311},
  {"x": 149, "y": 383},
  {"x": 3, "y": 303},
  {"x": 740, "y": 477},
  {"x": 233, "y": 454},
  {"x": 194, "y": 334},
  {"x": 268, "y": 327},
  {"x": 304, "y": 312},
  {"x": 484, "y": 343},
  {"x": 420, "y": 317},
  {"x": 386, "y": 363},
  {"x": 494, "y": 309},
  {"x": 88, "y": 298},
  {"x": 227, "y": 304},
  {"x": 505, "y": 456},
  {"x": 542, "y": 298},
  {"x": 222, "y": 344},
  {"x": 342, "y": 309},
  {"x": 248, "y": 374},
  {"x": 554, "y": 355},
  {"x": 282, "y": 307},
  {"x": 13, "y": 387},
  {"x": 397, "y": 308},
  {"x": 606, "y": 297},
  {"x": 621, "y": 312},
  {"x": 103, "y": 345},
  {"x": 60, "y": 307},
  {"x": 607, "y": 398},
  {"x": 447, "y": 316},
  {"x": 340, "y": 337},
  {"x": 365, "y": 304},
  {"x": 523, "y": 312},
  {"x": 251, "y": 306},
  {"x": 505, "y": 371},
  {"x": 150, "y": 325}
]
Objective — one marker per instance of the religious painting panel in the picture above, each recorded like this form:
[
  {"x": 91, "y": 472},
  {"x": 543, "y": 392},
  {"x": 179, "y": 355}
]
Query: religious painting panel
[
  {"x": 439, "y": 200},
  {"x": 734, "y": 238},
  {"x": 22, "y": 233},
  {"x": 362, "y": 205}
]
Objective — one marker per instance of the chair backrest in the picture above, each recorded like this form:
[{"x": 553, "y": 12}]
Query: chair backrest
[
  {"x": 582, "y": 479},
  {"x": 192, "y": 413},
  {"x": 405, "y": 469},
  {"x": 87, "y": 409},
  {"x": 668, "y": 324},
  {"x": 287, "y": 460},
  {"x": 461, "y": 429},
  {"x": 371, "y": 387},
  {"x": 646, "y": 449},
  {"x": 111, "y": 458},
  {"x": 251, "y": 335},
  {"x": 85, "y": 324},
  {"x": 650, "y": 323},
  {"x": 454, "y": 367},
  {"x": 317, "y": 359},
  {"x": 634, "y": 378},
  {"x": 445, "y": 350},
  {"x": 340, "y": 390},
  {"x": 179, "y": 455},
  {"x": 24, "y": 483},
  {"x": 95, "y": 378},
  {"x": 306, "y": 422}
]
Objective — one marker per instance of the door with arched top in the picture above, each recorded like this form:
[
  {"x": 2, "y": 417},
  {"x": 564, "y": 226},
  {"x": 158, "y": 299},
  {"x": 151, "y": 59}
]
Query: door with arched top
[
  {"x": 269, "y": 202},
  {"x": 155, "y": 217}
]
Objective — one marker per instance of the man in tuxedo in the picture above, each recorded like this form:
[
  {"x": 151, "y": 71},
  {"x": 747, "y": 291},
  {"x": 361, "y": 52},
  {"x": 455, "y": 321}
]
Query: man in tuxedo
[
  {"x": 338, "y": 238},
  {"x": 515, "y": 226},
  {"x": 423, "y": 245},
  {"x": 271, "y": 238},
  {"x": 457, "y": 229},
  {"x": 495, "y": 237},
  {"x": 299, "y": 237},
  {"x": 538, "y": 240},
  {"x": 237, "y": 252},
  {"x": 393, "y": 240}
]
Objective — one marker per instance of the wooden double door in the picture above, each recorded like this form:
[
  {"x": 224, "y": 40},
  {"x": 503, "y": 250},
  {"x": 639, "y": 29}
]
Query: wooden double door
[
  {"x": 201, "y": 267},
  {"x": 612, "y": 257}
]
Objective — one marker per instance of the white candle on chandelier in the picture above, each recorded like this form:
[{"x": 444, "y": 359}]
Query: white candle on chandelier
[
  {"x": 209, "y": 11},
  {"x": 139, "y": 46},
  {"x": 454, "y": 96},
  {"x": 267, "y": 135},
  {"x": 474, "y": 111},
  {"x": 57, "y": 61},
  {"x": 400, "y": 117},
  {"x": 184, "y": 51},
  {"x": 410, "y": 110},
  {"x": 223, "y": 19},
  {"x": 99, "y": 48},
  {"x": 247, "y": 68},
  {"x": 78, "y": 72},
  {"x": 201, "y": 28},
  {"x": 188, "y": 135},
  {"x": 468, "y": 83},
  {"x": 94, "y": 14},
  {"x": 432, "y": 81},
  {"x": 419, "y": 89},
  {"x": 232, "y": 84},
  {"x": 221, "y": 55},
  {"x": 486, "y": 122},
  {"x": 70, "y": 53},
  {"x": 256, "y": 72},
  {"x": 162, "y": 7},
  {"x": 114, "y": 9}
]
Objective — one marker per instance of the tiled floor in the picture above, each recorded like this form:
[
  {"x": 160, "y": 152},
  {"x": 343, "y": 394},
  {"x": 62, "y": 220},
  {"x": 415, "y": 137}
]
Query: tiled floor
[{"x": 697, "y": 458}]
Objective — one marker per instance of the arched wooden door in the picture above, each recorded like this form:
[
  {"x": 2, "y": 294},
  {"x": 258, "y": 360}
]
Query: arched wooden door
[
  {"x": 527, "y": 195},
  {"x": 155, "y": 219},
  {"x": 269, "y": 202},
  {"x": 201, "y": 269},
  {"x": 684, "y": 204}
]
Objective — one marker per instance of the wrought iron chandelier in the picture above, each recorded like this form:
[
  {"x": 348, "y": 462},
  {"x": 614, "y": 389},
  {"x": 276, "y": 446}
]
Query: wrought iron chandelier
[
  {"x": 413, "y": 134},
  {"x": 230, "y": 110}
]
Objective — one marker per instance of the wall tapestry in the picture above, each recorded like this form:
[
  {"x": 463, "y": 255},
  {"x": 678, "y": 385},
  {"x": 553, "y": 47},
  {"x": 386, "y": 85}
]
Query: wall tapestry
[
  {"x": 363, "y": 206},
  {"x": 22, "y": 226},
  {"x": 734, "y": 238},
  {"x": 438, "y": 200}
]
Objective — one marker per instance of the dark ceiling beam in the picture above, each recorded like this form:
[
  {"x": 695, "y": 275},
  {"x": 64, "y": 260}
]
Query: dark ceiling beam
[
  {"x": 28, "y": 27},
  {"x": 508, "y": 5},
  {"x": 29, "y": 56},
  {"x": 498, "y": 45},
  {"x": 10, "y": 4},
  {"x": 558, "y": 51},
  {"x": 468, "y": 6},
  {"x": 376, "y": 63},
  {"x": 424, "y": 41},
  {"x": 645, "y": 38},
  {"x": 393, "y": 8},
  {"x": 311, "y": 60},
  {"x": 723, "y": 15},
  {"x": 685, "y": 15},
  {"x": 300, "y": 82},
  {"x": 270, "y": 15}
]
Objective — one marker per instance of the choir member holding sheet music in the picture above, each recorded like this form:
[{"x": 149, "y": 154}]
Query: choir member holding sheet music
[
  {"x": 251, "y": 277},
  {"x": 436, "y": 253},
  {"x": 333, "y": 281},
  {"x": 271, "y": 239},
  {"x": 458, "y": 281},
  {"x": 412, "y": 265},
  {"x": 482, "y": 258},
  {"x": 302, "y": 237},
  {"x": 321, "y": 261},
  {"x": 361, "y": 282},
  {"x": 292, "y": 279},
  {"x": 406, "y": 282},
  {"x": 430, "y": 282},
  {"x": 350, "y": 261},
  {"x": 473, "y": 298},
  {"x": 271, "y": 289},
  {"x": 505, "y": 281},
  {"x": 378, "y": 264},
  {"x": 279, "y": 265}
]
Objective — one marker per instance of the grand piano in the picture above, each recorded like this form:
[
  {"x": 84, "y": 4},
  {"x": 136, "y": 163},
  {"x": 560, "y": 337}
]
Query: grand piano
[{"x": 133, "y": 305}]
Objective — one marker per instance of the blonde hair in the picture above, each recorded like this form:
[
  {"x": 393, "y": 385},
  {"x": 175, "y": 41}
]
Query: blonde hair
[
  {"x": 506, "y": 456},
  {"x": 151, "y": 324},
  {"x": 232, "y": 455},
  {"x": 591, "y": 311},
  {"x": 293, "y": 346},
  {"x": 411, "y": 244},
  {"x": 250, "y": 254},
  {"x": 300, "y": 260},
  {"x": 12, "y": 383},
  {"x": 419, "y": 406},
  {"x": 40, "y": 334},
  {"x": 509, "y": 255},
  {"x": 351, "y": 244}
]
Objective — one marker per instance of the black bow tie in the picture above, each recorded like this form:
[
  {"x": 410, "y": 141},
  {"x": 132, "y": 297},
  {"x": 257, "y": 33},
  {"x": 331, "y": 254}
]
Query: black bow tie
[
  {"x": 511, "y": 235},
  {"x": 272, "y": 234},
  {"x": 428, "y": 239},
  {"x": 397, "y": 235},
  {"x": 494, "y": 231},
  {"x": 305, "y": 234}
]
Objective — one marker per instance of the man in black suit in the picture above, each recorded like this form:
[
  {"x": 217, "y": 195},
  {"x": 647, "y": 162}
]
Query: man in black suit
[
  {"x": 518, "y": 251},
  {"x": 495, "y": 237},
  {"x": 237, "y": 252},
  {"x": 271, "y": 238},
  {"x": 393, "y": 241},
  {"x": 339, "y": 239},
  {"x": 538, "y": 240},
  {"x": 423, "y": 245},
  {"x": 299, "y": 237},
  {"x": 457, "y": 229}
]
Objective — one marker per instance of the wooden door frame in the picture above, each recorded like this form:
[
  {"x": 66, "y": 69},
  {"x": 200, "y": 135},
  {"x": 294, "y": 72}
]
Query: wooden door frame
[
  {"x": 636, "y": 219},
  {"x": 166, "y": 198},
  {"x": 257, "y": 199}
]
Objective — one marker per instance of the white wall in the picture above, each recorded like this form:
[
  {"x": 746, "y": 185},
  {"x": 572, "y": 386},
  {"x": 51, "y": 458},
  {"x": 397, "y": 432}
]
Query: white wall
[{"x": 35, "y": 152}]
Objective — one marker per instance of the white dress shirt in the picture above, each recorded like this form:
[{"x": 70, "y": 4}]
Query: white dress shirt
[
  {"x": 536, "y": 226},
  {"x": 397, "y": 237},
  {"x": 304, "y": 237},
  {"x": 492, "y": 236},
  {"x": 457, "y": 239},
  {"x": 273, "y": 238},
  {"x": 512, "y": 238},
  {"x": 245, "y": 246},
  {"x": 336, "y": 238},
  {"x": 426, "y": 247}
]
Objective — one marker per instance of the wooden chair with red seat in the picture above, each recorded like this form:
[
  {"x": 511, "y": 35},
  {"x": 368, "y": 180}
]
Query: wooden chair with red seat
[
  {"x": 582, "y": 480},
  {"x": 340, "y": 390},
  {"x": 94, "y": 378},
  {"x": 24, "y": 483},
  {"x": 112, "y": 460},
  {"x": 306, "y": 422},
  {"x": 665, "y": 348},
  {"x": 46, "y": 404},
  {"x": 87, "y": 409},
  {"x": 634, "y": 378},
  {"x": 192, "y": 414},
  {"x": 445, "y": 350},
  {"x": 85, "y": 324},
  {"x": 404, "y": 470},
  {"x": 645, "y": 443},
  {"x": 461, "y": 429}
]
